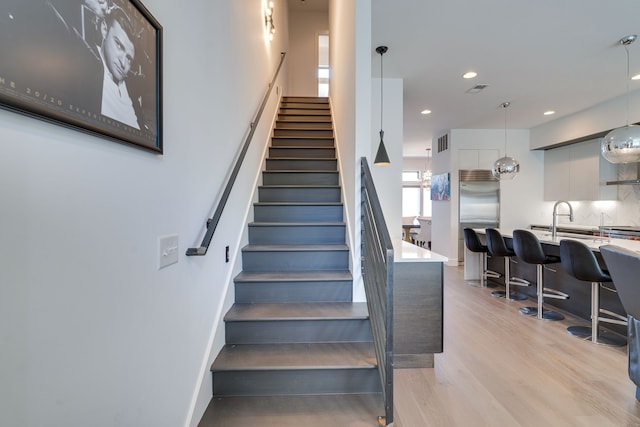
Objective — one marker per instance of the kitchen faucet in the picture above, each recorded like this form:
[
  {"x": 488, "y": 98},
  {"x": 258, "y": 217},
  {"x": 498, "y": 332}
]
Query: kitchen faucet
[{"x": 554, "y": 230}]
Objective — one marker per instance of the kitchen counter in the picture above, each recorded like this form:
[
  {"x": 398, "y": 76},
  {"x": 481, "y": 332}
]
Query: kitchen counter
[
  {"x": 592, "y": 242},
  {"x": 408, "y": 252},
  {"x": 579, "y": 302}
]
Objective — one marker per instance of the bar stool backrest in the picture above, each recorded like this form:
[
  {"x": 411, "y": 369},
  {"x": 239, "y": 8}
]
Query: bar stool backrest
[
  {"x": 624, "y": 268},
  {"x": 496, "y": 244},
  {"x": 472, "y": 241},
  {"x": 527, "y": 247},
  {"x": 579, "y": 261}
]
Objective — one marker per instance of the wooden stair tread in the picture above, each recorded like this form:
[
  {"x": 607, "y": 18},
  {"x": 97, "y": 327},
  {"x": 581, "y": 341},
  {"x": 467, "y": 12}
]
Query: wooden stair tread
[
  {"x": 300, "y": 171},
  {"x": 289, "y": 248},
  {"x": 292, "y": 356},
  {"x": 294, "y": 276},
  {"x": 297, "y": 311},
  {"x": 296, "y": 224},
  {"x": 290, "y": 411},
  {"x": 299, "y": 186},
  {"x": 298, "y": 203}
]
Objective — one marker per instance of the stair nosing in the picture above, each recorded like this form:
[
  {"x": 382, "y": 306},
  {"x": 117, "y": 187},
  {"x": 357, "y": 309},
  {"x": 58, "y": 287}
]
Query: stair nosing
[
  {"x": 294, "y": 276},
  {"x": 289, "y": 248}
]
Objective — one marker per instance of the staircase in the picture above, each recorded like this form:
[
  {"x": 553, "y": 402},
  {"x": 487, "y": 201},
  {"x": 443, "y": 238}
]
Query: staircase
[{"x": 294, "y": 330}]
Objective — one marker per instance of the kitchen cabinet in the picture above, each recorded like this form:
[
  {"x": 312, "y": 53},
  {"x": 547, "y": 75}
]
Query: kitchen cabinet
[
  {"x": 578, "y": 172},
  {"x": 477, "y": 158}
]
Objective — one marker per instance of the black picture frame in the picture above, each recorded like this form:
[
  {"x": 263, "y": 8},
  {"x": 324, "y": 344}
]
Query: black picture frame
[{"x": 84, "y": 65}]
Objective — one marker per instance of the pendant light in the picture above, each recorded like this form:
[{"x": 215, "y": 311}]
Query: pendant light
[
  {"x": 382, "y": 158},
  {"x": 426, "y": 175},
  {"x": 622, "y": 145},
  {"x": 505, "y": 167}
]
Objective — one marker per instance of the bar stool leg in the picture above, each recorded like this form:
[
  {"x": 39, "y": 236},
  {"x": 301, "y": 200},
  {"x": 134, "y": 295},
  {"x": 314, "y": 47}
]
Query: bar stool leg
[
  {"x": 545, "y": 314},
  {"x": 593, "y": 333},
  {"x": 539, "y": 311},
  {"x": 507, "y": 272}
]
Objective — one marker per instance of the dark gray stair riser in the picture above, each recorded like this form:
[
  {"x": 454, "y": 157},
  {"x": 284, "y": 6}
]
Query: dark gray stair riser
[
  {"x": 300, "y": 178},
  {"x": 324, "y": 133},
  {"x": 297, "y": 234},
  {"x": 302, "y": 164},
  {"x": 298, "y": 213},
  {"x": 303, "y": 152},
  {"x": 296, "y": 382},
  {"x": 291, "y": 291},
  {"x": 297, "y": 331},
  {"x": 284, "y": 124},
  {"x": 307, "y": 99},
  {"x": 303, "y": 111},
  {"x": 299, "y": 194},
  {"x": 305, "y": 105},
  {"x": 295, "y": 260},
  {"x": 305, "y": 118},
  {"x": 301, "y": 142}
]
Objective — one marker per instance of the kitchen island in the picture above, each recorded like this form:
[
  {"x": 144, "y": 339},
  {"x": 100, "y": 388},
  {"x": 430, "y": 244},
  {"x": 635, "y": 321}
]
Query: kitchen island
[
  {"x": 417, "y": 305},
  {"x": 579, "y": 302}
]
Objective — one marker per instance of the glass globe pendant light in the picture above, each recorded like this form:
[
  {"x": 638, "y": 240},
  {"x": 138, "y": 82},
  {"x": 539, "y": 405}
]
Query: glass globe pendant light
[
  {"x": 505, "y": 167},
  {"x": 622, "y": 145}
]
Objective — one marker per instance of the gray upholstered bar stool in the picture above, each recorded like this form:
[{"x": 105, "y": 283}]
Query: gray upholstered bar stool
[
  {"x": 624, "y": 267},
  {"x": 579, "y": 261},
  {"x": 473, "y": 243},
  {"x": 528, "y": 248},
  {"x": 498, "y": 248}
]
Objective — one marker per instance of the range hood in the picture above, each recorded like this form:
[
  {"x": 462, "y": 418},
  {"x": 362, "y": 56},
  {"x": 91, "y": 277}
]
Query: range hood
[{"x": 627, "y": 181}]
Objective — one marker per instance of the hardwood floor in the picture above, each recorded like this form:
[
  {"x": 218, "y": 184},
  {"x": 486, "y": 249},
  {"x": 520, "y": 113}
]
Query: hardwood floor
[{"x": 498, "y": 368}]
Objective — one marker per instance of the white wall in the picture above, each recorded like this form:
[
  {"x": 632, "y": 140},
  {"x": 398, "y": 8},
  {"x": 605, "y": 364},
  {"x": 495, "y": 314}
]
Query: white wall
[
  {"x": 305, "y": 26},
  {"x": 350, "y": 90},
  {"x": 388, "y": 179},
  {"x": 92, "y": 333}
]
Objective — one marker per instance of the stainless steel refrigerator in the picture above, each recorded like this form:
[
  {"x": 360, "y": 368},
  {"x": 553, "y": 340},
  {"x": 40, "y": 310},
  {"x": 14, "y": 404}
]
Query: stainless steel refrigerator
[{"x": 479, "y": 205}]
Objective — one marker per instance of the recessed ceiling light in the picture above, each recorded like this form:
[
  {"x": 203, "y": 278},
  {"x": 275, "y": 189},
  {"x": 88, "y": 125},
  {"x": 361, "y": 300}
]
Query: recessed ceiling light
[
  {"x": 548, "y": 113},
  {"x": 636, "y": 77},
  {"x": 425, "y": 112},
  {"x": 469, "y": 75}
]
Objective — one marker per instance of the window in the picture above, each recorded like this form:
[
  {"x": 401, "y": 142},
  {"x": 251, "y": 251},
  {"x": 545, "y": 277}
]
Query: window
[
  {"x": 323, "y": 65},
  {"x": 416, "y": 194}
]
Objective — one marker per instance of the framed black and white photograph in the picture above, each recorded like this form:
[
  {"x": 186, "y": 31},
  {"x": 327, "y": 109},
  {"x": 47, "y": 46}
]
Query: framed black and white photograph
[{"x": 92, "y": 65}]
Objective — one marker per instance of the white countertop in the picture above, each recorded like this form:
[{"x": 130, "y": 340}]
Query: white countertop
[
  {"x": 593, "y": 242},
  {"x": 407, "y": 252}
]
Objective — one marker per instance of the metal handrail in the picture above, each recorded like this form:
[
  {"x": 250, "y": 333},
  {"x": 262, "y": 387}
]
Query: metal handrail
[
  {"x": 212, "y": 222},
  {"x": 377, "y": 274}
]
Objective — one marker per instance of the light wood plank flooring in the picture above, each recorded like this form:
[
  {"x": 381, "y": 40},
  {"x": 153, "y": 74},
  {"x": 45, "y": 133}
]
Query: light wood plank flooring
[{"x": 498, "y": 368}]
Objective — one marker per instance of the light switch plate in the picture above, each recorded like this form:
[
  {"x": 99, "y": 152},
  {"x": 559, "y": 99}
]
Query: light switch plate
[{"x": 167, "y": 250}]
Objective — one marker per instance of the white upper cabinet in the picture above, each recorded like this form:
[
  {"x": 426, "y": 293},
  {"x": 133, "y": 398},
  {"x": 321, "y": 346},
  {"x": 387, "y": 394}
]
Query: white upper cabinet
[
  {"x": 578, "y": 172},
  {"x": 477, "y": 158}
]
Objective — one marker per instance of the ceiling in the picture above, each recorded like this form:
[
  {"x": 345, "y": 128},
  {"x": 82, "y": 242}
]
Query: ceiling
[{"x": 539, "y": 55}]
